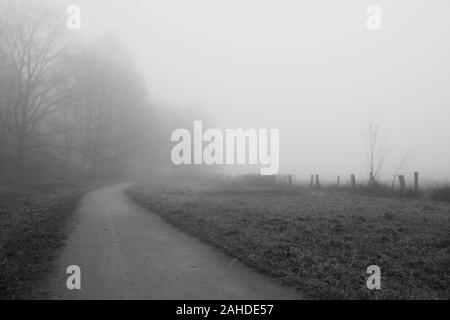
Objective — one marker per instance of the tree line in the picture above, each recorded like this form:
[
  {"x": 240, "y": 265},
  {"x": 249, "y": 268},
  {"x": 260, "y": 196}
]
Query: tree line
[{"x": 66, "y": 106}]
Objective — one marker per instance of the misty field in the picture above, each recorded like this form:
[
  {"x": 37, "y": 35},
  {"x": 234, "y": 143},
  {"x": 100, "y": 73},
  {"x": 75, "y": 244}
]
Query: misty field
[
  {"x": 32, "y": 224},
  {"x": 320, "y": 242}
]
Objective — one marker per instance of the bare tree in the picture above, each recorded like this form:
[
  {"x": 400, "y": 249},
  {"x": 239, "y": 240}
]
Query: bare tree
[
  {"x": 6, "y": 91},
  {"x": 62, "y": 105},
  {"x": 34, "y": 45},
  {"x": 376, "y": 151},
  {"x": 111, "y": 105}
]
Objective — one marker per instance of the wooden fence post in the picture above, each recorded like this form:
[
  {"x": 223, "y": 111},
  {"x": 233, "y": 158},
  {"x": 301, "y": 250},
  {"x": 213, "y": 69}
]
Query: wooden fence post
[
  {"x": 353, "y": 182},
  {"x": 401, "y": 179},
  {"x": 290, "y": 179},
  {"x": 338, "y": 180},
  {"x": 317, "y": 181},
  {"x": 416, "y": 182}
]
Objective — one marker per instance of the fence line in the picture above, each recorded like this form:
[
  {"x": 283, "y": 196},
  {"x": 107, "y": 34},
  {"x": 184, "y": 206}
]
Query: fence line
[{"x": 403, "y": 182}]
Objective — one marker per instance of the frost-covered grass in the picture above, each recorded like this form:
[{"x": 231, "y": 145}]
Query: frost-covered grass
[
  {"x": 320, "y": 242},
  {"x": 32, "y": 227}
]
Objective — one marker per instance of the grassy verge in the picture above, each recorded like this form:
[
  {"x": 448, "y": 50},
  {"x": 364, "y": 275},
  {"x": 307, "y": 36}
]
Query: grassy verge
[
  {"x": 32, "y": 225},
  {"x": 319, "y": 242},
  {"x": 441, "y": 194}
]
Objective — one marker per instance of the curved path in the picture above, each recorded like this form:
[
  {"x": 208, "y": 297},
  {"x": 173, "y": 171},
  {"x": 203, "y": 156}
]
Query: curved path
[{"x": 125, "y": 252}]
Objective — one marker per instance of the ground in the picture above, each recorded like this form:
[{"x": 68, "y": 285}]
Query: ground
[
  {"x": 318, "y": 242},
  {"x": 127, "y": 252},
  {"x": 32, "y": 223}
]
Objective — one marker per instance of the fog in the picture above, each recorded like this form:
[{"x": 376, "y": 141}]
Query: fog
[{"x": 311, "y": 69}]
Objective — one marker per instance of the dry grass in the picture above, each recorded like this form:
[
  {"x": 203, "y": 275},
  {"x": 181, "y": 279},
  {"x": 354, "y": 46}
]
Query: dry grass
[
  {"x": 441, "y": 194},
  {"x": 319, "y": 242},
  {"x": 32, "y": 221}
]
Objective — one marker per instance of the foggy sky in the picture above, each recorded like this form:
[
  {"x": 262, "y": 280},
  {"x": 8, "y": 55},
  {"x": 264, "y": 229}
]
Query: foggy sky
[{"x": 310, "y": 68}]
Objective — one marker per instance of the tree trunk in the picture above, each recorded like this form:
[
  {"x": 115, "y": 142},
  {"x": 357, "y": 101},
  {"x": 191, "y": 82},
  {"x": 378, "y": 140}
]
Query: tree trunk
[{"x": 20, "y": 155}]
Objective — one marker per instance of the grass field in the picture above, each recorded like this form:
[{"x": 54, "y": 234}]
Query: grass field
[
  {"x": 32, "y": 224},
  {"x": 318, "y": 242}
]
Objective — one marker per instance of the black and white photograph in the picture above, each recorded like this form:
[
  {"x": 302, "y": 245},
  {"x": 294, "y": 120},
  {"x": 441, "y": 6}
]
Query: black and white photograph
[{"x": 224, "y": 155}]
